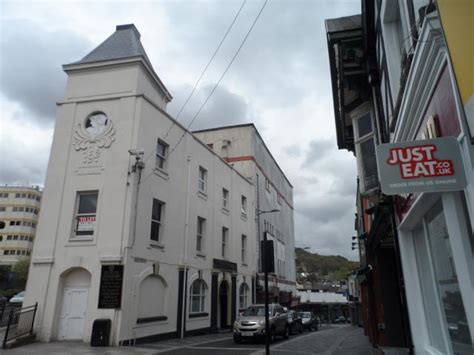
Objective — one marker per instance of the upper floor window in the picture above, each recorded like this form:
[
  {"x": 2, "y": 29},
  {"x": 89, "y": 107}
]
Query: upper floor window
[
  {"x": 161, "y": 154},
  {"x": 3, "y": 209},
  {"x": 267, "y": 184},
  {"x": 201, "y": 230},
  {"x": 225, "y": 240},
  {"x": 225, "y": 199},
  {"x": 244, "y": 249},
  {"x": 278, "y": 198},
  {"x": 156, "y": 220},
  {"x": 86, "y": 209},
  {"x": 364, "y": 139},
  {"x": 243, "y": 204},
  {"x": 202, "y": 179},
  {"x": 3, "y": 194}
]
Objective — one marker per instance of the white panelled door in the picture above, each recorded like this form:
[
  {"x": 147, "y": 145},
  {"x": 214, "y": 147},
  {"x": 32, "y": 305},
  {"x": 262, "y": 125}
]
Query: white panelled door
[{"x": 73, "y": 313}]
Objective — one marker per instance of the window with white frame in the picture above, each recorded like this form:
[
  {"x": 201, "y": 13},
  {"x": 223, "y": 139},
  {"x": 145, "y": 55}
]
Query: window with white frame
[
  {"x": 202, "y": 180},
  {"x": 201, "y": 230},
  {"x": 225, "y": 199},
  {"x": 244, "y": 249},
  {"x": 243, "y": 204},
  {"x": 225, "y": 240},
  {"x": 161, "y": 154},
  {"x": 197, "y": 297},
  {"x": 86, "y": 210},
  {"x": 443, "y": 302},
  {"x": 267, "y": 184},
  {"x": 156, "y": 228},
  {"x": 364, "y": 134},
  {"x": 244, "y": 293}
]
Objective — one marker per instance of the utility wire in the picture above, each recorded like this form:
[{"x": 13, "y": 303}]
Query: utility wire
[
  {"x": 220, "y": 79},
  {"x": 202, "y": 74},
  {"x": 216, "y": 85},
  {"x": 207, "y": 66}
]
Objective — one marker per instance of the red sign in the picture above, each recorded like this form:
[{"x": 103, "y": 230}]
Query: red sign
[{"x": 85, "y": 223}]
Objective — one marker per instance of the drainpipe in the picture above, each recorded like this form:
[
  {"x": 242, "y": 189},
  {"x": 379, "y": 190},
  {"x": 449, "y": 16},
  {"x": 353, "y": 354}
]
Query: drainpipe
[
  {"x": 185, "y": 256},
  {"x": 137, "y": 167}
]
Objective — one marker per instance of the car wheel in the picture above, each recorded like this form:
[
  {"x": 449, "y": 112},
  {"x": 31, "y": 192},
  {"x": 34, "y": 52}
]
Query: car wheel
[
  {"x": 286, "y": 333},
  {"x": 237, "y": 339},
  {"x": 301, "y": 329}
]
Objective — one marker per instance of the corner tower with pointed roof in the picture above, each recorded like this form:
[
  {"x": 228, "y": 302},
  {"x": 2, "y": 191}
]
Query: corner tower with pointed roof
[
  {"x": 122, "y": 59},
  {"x": 132, "y": 228}
]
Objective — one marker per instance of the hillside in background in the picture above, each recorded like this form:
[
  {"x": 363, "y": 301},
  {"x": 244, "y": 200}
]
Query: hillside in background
[{"x": 329, "y": 267}]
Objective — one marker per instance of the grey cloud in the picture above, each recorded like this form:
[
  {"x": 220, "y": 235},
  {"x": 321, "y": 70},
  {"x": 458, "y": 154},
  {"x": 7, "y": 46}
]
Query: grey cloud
[
  {"x": 293, "y": 150},
  {"x": 286, "y": 52},
  {"x": 325, "y": 209},
  {"x": 30, "y": 65},
  {"x": 318, "y": 149},
  {"x": 326, "y": 238},
  {"x": 223, "y": 108}
]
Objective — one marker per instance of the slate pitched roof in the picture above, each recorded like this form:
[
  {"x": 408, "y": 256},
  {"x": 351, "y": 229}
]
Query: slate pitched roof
[
  {"x": 343, "y": 23},
  {"x": 123, "y": 43}
]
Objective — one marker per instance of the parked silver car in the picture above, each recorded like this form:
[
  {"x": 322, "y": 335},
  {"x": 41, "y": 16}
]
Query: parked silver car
[
  {"x": 309, "y": 320},
  {"x": 251, "y": 324}
]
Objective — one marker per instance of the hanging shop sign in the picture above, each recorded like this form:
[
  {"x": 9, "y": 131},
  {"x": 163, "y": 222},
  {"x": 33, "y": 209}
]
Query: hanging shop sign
[{"x": 431, "y": 165}]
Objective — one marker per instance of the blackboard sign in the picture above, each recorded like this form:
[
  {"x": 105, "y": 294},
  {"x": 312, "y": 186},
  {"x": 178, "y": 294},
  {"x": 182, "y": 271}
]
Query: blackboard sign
[{"x": 111, "y": 279}]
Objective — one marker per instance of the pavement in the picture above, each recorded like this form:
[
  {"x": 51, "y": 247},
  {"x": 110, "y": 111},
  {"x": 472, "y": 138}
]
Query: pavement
[{"x": 332, "y": 340}]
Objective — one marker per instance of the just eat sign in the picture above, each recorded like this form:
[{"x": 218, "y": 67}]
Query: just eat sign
[{"x": 421, "y": 166}]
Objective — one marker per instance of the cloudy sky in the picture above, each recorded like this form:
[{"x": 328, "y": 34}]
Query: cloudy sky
[{"x": 280, "y": 81}]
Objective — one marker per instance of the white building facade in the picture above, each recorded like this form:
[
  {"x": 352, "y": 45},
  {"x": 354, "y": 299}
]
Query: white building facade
[
  {"x": 19, "y": 210},
  {"x": 135, "y": 225},
  {"x": 243, "y": 147}
]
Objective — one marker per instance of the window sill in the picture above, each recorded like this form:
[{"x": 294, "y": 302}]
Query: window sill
[
  {"x": 161, "y": 173},
  {"x": 151, "y": 319},
  {"x": 155, "y": 244},
  {"x": 202, "y": 195},
  {"x": 200, "y": 255},
  {"x": 198, "y": 315},
  {"x": 78, "y": 239},
  {"x": 225, "y": 211},
  {"x": 244, "y": 264}
]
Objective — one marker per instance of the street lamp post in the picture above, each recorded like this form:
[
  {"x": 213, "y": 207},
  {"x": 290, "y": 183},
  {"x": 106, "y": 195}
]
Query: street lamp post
[{"x": 265, "y": 273}]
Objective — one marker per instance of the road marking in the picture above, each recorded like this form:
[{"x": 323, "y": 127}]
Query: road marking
[
  {"x": 275, "y": 347},
  {"x": 216, "y": 348}
]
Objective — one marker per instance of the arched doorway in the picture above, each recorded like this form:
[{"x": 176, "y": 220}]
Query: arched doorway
[
  {"x": 223, "y": 303},
  {"x": 72, "y": 313}
]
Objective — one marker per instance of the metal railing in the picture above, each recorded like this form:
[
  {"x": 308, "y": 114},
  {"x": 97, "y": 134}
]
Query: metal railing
[
  {"x": 5, "y": 309},
  {"x": 20, "y": 323}
]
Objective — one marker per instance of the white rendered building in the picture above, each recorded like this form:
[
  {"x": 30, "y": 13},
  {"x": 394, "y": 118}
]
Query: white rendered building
[
  {"x": 135, "y": 226},
  {"x": 19, "y": 210},
  {"x": 243, "y": 147}
]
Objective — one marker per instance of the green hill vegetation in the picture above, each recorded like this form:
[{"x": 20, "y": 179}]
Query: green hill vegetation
[{"x": 321, "y": 267}]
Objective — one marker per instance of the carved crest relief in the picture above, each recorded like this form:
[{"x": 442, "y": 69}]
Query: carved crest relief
[{"x": 96, "y": 133}]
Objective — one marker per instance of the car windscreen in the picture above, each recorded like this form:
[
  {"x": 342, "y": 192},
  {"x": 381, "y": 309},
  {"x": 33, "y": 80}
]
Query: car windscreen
[
  {"x": 306, "y": 315},
  {"x": 254, "y": 311}
]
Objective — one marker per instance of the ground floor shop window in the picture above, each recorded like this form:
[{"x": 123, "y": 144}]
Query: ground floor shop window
[
  {"x": 244, "y": 296},
  {"x": 442, "y": 299},
  {"x": 197, "y": 297}
]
